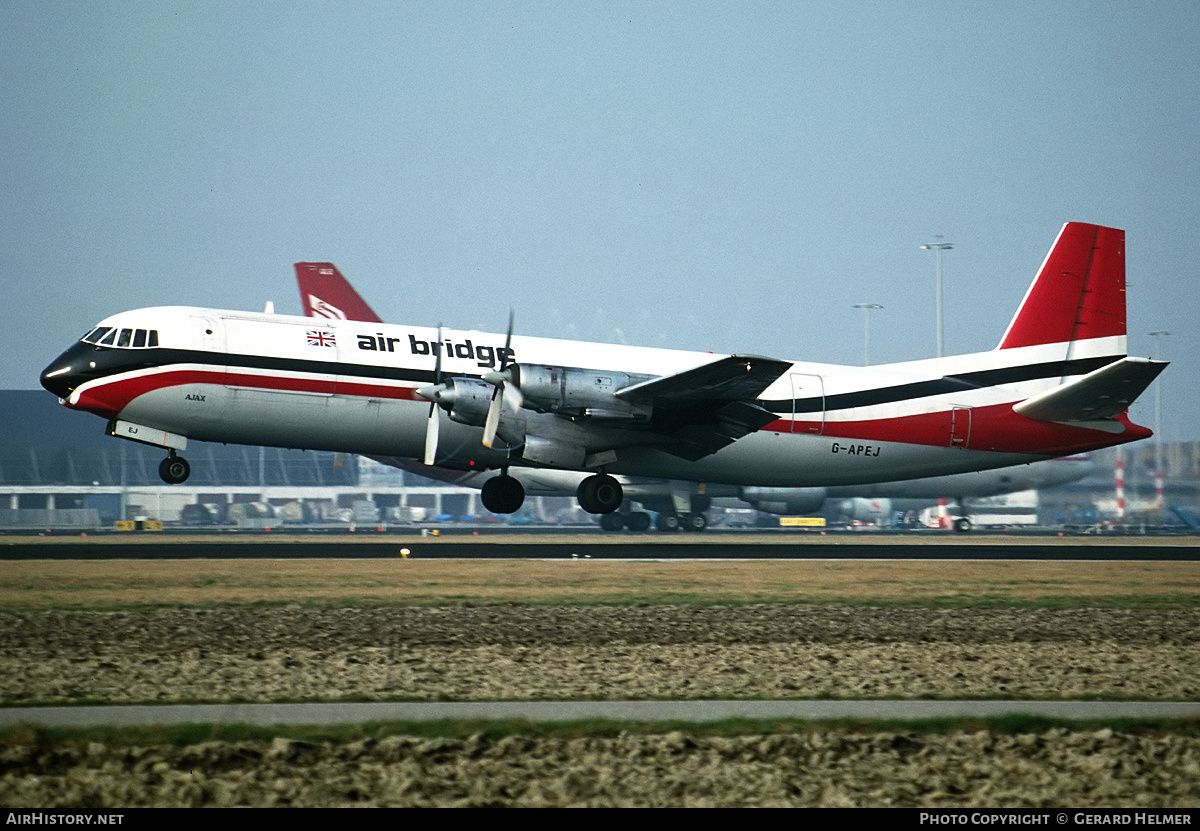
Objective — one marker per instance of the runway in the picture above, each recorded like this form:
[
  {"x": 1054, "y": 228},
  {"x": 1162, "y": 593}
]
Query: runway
[
  {"x": 268, "y": 715},
  {"x": 749, "y": 546}
]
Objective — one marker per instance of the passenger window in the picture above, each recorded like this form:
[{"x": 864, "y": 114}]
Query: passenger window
[
  {"x": 153, "y": 341},
  {"x": 126, "y": 335},
  {"x": 139, "y": 338}
]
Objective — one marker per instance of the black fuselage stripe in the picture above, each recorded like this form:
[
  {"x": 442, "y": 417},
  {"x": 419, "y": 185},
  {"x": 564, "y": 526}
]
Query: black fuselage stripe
[{"x": 964, "y": 382}]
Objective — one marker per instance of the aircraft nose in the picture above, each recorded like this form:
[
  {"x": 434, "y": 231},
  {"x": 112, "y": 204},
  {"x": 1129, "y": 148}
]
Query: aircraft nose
[
  {"x": 69, "y": 370},
  {"x": 58, "y": 378}
]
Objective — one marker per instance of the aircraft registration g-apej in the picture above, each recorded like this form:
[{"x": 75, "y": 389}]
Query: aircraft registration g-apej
[{"x": 1059, "y": 383}]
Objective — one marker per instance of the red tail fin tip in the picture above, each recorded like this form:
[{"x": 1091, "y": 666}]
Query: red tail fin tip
[{"x": 1078, "y": 294}]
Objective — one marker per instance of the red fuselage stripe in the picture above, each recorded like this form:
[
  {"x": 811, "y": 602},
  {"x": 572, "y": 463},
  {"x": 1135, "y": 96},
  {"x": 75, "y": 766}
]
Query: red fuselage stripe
[
  {"x": 110, "y": 398},
  {"x": 994, "y": 427}
]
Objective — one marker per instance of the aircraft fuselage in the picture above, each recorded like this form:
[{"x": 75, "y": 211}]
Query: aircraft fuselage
[{"x": 263, "y": 379}]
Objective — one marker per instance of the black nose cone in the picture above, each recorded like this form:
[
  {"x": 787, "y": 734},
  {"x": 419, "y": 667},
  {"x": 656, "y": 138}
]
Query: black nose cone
[
  {"x": 57, "y": 378},
  {"x": 67, "y": 371}
]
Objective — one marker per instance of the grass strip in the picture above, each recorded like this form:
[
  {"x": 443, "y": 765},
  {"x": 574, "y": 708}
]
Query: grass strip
[{"x": 191, "y": 734}]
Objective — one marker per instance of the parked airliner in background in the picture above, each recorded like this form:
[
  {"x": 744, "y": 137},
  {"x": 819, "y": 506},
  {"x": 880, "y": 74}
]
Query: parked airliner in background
[
  {"x": 325, "y": 292},
  {"x": 1059, "y": 383}
]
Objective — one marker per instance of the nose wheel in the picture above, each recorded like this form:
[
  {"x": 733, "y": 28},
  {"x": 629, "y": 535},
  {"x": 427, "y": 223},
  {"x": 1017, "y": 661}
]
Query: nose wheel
[{"x": 174, "y": 469}]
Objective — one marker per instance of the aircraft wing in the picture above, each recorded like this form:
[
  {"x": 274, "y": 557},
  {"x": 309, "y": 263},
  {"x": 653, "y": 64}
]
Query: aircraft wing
[
  {"x": 736, "y": 378},
  {"x": 703, "y": 409},
  {"x": 1099, "y": 395}
]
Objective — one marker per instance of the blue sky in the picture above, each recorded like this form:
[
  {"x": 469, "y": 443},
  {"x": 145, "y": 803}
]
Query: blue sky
[{"x": 725, "y": 176}]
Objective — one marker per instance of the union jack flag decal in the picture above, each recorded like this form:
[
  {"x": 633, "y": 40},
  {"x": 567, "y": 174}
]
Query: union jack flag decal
[{"x": 317, "y": 338}]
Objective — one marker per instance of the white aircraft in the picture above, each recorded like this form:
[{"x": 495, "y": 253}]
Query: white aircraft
[
  {"x": 1059, "y": 383},
  {"x": 325, "y": 292}
]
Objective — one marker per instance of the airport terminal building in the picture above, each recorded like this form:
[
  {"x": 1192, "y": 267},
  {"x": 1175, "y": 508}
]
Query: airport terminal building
[{"x": 59, "y": 470}]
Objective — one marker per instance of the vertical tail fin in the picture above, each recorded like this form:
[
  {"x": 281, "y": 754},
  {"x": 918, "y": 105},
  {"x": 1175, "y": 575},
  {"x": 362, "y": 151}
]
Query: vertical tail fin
[
  {"x": 1079, "y": 293},
  {"x": 324, "y": 292}
]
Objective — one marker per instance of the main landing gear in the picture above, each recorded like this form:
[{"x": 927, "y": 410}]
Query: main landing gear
[
  {"x": 636, "y": 521},
  {"x": 689, "y": 521},
  {"x": 668, "y": 521},
  {"x": 502, "y": 495},
  {"x": 600, "y": 494},
  {"x": 174, "y": 470}
]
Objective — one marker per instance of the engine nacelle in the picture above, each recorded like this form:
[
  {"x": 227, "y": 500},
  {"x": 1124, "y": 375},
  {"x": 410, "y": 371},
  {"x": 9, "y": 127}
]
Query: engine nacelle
[
  {"x": 785, "y": 501},
  {"x": 465, "y": 399},
  {"x": 552, "y": 453},
  {"x": 878, "y": 511},
  {"x": 574, "y": 391}
]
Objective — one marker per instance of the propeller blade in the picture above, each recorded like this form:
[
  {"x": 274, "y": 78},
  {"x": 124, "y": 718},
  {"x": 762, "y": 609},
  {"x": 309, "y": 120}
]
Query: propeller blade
[
  {"x": 507, "y": 340},
  {"x": 431, "y": 436},
  {"x": 431, "y": 425},
  {"x": 437, "y": 359},
  {"x": 513, "y": 397},
  {"x": 492, "y": 422},
  {"x": 507, "y": 393}
]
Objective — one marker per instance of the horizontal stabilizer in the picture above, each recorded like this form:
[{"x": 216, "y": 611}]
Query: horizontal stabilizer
[
  {"x": 736, "y": 378},
  {"x": 1101, "y": 394}
]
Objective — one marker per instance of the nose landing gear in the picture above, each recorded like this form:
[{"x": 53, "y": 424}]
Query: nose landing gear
[{"x": 174, "y": 470}]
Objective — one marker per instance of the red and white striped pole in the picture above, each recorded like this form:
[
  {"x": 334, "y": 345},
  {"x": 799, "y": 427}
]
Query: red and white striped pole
[{"x": 1120, "y": 483}]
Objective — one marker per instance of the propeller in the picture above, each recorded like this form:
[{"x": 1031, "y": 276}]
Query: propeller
[
  {"x": 506, "y": 392},
  {"x": 431, "y": 426}
]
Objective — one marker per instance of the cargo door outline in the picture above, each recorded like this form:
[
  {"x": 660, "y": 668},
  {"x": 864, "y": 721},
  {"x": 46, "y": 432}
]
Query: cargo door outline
[
  {"x": 808, "y": 403},
  {"x": 960, "y": 426}
]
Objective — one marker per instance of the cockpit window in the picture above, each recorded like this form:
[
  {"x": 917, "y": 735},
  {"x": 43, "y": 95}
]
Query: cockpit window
[{"x": 128, "y": 338}]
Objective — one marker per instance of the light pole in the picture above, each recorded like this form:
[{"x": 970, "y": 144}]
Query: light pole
[
  {"x": 1158, "y": 448},
  {"x": 867, "y": 307},
  {"x": 938, "y": 247}
]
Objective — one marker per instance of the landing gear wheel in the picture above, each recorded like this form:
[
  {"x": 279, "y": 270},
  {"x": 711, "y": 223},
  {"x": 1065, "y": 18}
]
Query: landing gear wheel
[
  {"x": 612, "y": 522},
  {"x": 693, "y": 522},
  {"x": 638, "y": 521},
  {"x": 667, "y": 522},
  {"x": 962, "y": 525},
  {"x": 502, "y": 495},
  {"x": 174, "y": 470},
  {"x": 600, "y": 494}
]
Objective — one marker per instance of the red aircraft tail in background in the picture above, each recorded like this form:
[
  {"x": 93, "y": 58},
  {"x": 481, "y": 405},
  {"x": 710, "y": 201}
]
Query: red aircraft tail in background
[{"x": 324, "y": 292}]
